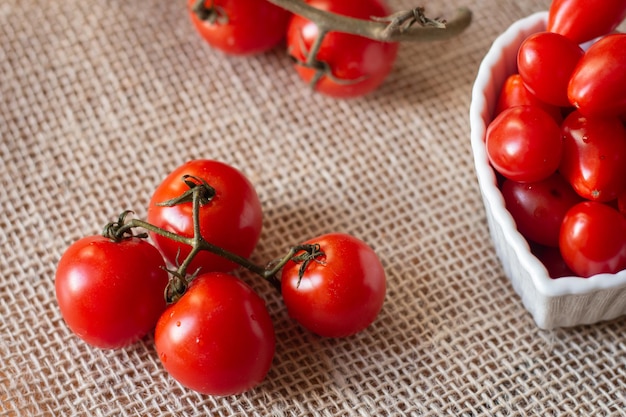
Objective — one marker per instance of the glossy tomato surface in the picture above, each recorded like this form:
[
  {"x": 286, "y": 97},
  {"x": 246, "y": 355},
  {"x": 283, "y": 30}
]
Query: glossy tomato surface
[
  {"x": 340, "y": 294},
  {"x": 584, "y": 20},
  {"x": 524, "y": 144},
  {"x": 242, "y": 27},
  {"x": 597, "y": 85},
  {"x": 594, "y": 156},
  {"x": 231, "y": 220},
  {"x": 111, "y": 293},
  {"x": 218, "y": 338},
  {"x": 514, "y": 93},
  {"x": 593, "y": 239},
  {"x": 358, "y": 65}
]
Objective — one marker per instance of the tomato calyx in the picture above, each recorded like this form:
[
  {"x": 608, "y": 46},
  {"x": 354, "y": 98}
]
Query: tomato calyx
[
  {"x": 197, "y": 186},
  {"x": 308, "y": 253},
  {"x": 117, "y": 231},
  {"x": 212, "y": 14}
]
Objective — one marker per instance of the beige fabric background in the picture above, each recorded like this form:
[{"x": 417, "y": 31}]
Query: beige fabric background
[{"x": 99, "y": 100}]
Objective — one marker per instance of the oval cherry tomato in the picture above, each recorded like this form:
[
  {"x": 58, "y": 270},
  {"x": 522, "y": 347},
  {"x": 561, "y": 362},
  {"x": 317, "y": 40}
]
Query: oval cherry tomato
[
  {"x": 524, "y": 144},
  {"x": 111, "y": 293},
  {"x": 593, "y": 239},
  {"x": 341, "y": 293},
  {"x": 584, "y": 20},
  {"x": 358, "y": 65},
  {"x": 514, "y": 93},
  {"x": 232, "y": 219},
  {"x": 241, "y": 27},
  {"x": 218, "y": 338},
  {"x": 539, "y": 207},
  {"x": 545, "y": 61},
  {"x": 598, "y": 85},
  {"x": 594, "y": 156}
]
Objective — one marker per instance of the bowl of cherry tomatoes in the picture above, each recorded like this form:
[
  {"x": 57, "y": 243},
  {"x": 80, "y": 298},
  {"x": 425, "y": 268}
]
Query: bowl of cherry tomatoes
[{"x": 548, "y": 135}]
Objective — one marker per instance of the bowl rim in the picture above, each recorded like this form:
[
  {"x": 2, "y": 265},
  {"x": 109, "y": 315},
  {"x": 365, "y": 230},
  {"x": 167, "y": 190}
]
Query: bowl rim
[{"x": 478, "y": 113}]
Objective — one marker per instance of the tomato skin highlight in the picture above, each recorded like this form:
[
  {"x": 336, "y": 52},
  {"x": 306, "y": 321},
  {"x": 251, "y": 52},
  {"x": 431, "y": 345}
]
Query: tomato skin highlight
[
  {"x": 111, "y": 293},
  {"x": 342, "y": 294},
  {"x": 363, "y": 64},
  {"x": 253, "y": 26},
  {"x": 593, "y": 239},
  {"x": 597, "y": 86},
  {"x": 584, "y": 20},
  {"x": 218, "y": 338},
  {"x": 232, "y": 220}
]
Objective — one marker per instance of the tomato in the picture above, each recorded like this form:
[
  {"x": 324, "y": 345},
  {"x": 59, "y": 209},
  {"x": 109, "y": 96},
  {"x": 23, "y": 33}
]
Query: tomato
[
  {"x": 524, "y": 144},
  {"x": 241, "y": 27},
  {"x": 597, "y": 85},
  {"x": 545, "y": 61},
  {"x": 340, "y": 293},
  {"x": 594, "y": 156},
  {"x": 231, "y": 220},
  {"x": 539, "y": 207},
  {"x": 358, "y": 65},
  {"x": 218, "y": 338},
  {"x": 111, "y": 293},
  {"x": 584, "y": 20},
  {"x": 514, "y": 93},
  {"x": 551, "y": 258},
  {"x": 593, "y": 239}
]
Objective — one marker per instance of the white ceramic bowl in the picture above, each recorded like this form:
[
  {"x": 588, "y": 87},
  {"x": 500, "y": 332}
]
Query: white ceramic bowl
[{"x": 561, "y": 302}]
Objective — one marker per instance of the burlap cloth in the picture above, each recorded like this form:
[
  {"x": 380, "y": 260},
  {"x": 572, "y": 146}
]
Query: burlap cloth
[{"x": 99, "y": 100}]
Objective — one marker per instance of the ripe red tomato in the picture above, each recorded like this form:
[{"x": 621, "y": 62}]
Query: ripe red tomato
[
  {"x": 584, "y": 20},
  {"x": 514, "y": 93},
  {"x": 594, "y": 156},
  {"x": 358, "y": 65},
  {"x": 593, "y": 239},
  {"x": 551, "y": 258},
  {"x": 111, "y": 293},
  {"x": 524, "y": 144},
  {"x": 232, "y": 219},
  {"x": 545, "y": 61},
  {"x": 597, "y": 85},
  {"x": 242, "y": 27},
  {"x": 342, "y": 293},
  {"x": 218, "y": 338},
  {"x": 539, "y": 207}
]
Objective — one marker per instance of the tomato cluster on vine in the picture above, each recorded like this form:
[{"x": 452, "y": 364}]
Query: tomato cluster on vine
[
  {"x": 558, "y": 139},
  {"x": 212, "y": 332},
  {"x": 333, "y": 63}
]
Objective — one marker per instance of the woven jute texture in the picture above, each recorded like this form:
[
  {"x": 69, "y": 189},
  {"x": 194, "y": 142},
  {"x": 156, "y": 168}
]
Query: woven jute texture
[{"x": 99, "y": 100}]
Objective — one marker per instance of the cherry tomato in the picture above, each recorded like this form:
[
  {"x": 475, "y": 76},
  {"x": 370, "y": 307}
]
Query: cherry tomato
[
  {"x": 597, "y": 85},
  {"x": 340, "y": 293},
  {"x": 111, "y": 293},
  {"x": 241, "y": 27},
  {"x": 231, "y": 220},
  {"x": 584, "y": 20},
  {"x": 514, "y": 93},
  {"x": 551, "y": 258},
  {"x": 594, "y": 156},
  {"x": 539, "y": 207},
  {"x": 218, "y": 338},
  {"x": 593, "y": 239},
  {"x": 358, "y": 65},
  {"x": 524, "y": 144},
  {"x": 545, "y": 61}
]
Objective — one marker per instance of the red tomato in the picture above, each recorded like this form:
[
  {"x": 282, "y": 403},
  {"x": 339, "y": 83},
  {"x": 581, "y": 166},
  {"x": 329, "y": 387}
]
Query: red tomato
[
  {"x": 539, "y": 207},
  {"x": 358, "y": 65},
  {"x": 545, "y": 61},
  {"x": 232, "y": 219},
  {"x": 514, "y": 93},
  {"x": 342, "y": 293},
  {"x": 111, "y": 293},
  {"x": 218, "y": 338},
  {"x": 524, "y": 144},
  {"x": 594, "y": 156},
  {"x": 242, "y": 27},
  {"x": 584, "y": 20},
  {"x": 593, "y": 239},
  {"x": 551, "y": 258},
  {"x": 597, "y": 85}
]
